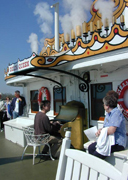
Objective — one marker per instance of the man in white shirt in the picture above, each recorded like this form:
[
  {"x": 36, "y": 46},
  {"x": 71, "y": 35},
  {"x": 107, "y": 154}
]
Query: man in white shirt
[{"x": 17, "y": 105}]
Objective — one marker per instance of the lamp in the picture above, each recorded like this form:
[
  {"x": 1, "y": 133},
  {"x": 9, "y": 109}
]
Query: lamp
[
  {"x": 85, "y": 30},
  {"x": 113, "y": 20},
  {"x": 122, "y": 20},
  {"x": 86, "y": 76},
  {"x": 91, "y": 28},
  {"x": 106, "y": 26},
  {"x": 72, "y": 36},
  {"x": 62, "y": 40},
  {"x": 99, "y": 26},
  {"x": 67, "y": 38},
  {"x": 78, "y": 31}
]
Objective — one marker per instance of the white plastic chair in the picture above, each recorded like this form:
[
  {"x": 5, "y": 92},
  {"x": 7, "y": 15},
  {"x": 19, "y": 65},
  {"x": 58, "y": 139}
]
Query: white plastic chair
[{"x": 35, "y": 141}]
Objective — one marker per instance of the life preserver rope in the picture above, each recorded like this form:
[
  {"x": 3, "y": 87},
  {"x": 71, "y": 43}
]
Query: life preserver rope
[
  {"x": 122, "y": 91},
  {"x": 43, "y": 94}
]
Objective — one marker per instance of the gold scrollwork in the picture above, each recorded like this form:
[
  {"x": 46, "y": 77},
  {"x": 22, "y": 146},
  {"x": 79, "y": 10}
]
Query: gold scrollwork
[
  {"x": 38, "y": 61},
  {"x": 126, "y": 1}
]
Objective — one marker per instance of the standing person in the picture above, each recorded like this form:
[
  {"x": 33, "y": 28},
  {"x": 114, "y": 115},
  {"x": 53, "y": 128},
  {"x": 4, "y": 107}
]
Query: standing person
[
  {"x": 17, "y": 105},
  {"x": 2, "y": 107},
  {"x": 114, "y": 124},
  {"x": 42, "y": 125},
  {"x": 8, "y": 108}
]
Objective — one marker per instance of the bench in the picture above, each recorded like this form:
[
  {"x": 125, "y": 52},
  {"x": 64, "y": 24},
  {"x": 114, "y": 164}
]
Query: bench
[
  {"x": 14, "y": 131},
  {"x": 78, "y": 165},
  {"x": 116, "y": 159}
]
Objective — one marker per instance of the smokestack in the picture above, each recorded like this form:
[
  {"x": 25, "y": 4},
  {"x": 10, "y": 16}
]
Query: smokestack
[{"x": 56, "y": 6}]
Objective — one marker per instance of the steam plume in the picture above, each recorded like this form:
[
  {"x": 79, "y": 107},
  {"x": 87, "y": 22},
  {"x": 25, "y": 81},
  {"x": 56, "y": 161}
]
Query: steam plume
[
  {"x": 33, "y": 40},
  {"x": 76, "y": 14},
  {"x": 106, "y": 8}
]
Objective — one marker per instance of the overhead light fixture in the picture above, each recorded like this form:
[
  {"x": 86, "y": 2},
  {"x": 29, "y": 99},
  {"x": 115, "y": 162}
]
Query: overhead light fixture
[{"x": 86, "y": 76}]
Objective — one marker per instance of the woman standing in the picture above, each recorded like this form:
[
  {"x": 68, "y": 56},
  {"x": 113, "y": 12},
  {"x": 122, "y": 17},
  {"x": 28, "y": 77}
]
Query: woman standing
[{"x": 8, "y": 110}]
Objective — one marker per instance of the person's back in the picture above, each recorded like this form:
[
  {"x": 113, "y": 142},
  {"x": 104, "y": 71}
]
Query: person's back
[
  {"x": 42, "y": 124},
  {"x": 116, "y": 119}
]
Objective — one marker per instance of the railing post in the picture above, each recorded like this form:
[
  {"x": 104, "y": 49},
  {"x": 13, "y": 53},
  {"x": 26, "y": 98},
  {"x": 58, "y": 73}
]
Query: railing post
[{"x": 63, "y": 159}]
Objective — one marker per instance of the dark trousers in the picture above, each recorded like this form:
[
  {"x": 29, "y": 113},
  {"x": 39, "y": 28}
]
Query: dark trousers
[
  {"x": 92, "y": 150},
  {"x": 3, "y": 117},
  {"x": 54, "y": 143}
]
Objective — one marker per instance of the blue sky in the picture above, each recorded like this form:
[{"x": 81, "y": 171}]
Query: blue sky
[{"x": 17, "y": 22}]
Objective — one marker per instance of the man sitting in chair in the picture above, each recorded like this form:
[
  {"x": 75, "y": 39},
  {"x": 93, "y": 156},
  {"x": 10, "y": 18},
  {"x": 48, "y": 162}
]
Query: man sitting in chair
[{"x": 42, "y": 125}]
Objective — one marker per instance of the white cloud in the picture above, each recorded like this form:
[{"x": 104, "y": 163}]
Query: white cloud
[
  {"x": 45, "y": 21},
  {"x": 45, "y": 17}
]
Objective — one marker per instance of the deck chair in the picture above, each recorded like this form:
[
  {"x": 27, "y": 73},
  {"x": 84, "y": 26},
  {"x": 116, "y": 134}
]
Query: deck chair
[
  {"x": 78, "y": 165},
  {"x": 35, "y": 141}
]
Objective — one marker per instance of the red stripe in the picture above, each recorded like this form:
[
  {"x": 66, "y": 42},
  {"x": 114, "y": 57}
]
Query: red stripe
[{"x": 104, "y": 75}]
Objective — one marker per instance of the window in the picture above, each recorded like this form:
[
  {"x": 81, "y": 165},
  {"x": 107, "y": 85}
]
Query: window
[
  {"x": 34, "y": 101},
  {"x": 98, "y": 91},
  {"x": 57, "y": 95}
]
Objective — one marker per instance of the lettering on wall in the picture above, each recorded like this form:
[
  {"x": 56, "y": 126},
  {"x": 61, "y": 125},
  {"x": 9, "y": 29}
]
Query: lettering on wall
[
  {"x": 23, "y": 65},
  {"x": 19, "y": 66}
]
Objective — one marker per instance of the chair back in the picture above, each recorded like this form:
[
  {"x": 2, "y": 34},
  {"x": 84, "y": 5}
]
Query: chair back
[
  {"x": 34, "y": 139},
  {"x": 28, "y": 132}
]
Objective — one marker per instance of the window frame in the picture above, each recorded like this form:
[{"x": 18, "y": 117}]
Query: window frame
[
  {"x": 58, "y": 100},
  {"x": 92, "y": 113},
  {"x": 33, "y": 101}
]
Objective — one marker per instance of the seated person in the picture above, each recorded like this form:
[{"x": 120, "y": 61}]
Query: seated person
[
  {"x": 115, "y": 94},
  {"x": 115, "y": 122},
  {"x": 42, "y": 125}
]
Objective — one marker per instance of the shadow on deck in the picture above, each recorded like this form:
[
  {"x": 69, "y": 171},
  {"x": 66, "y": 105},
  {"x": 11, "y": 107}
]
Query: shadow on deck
[{"x": 13, "y": 168}]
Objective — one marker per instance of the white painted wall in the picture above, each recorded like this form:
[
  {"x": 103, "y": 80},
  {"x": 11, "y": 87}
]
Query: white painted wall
[
  {"x": 116, "y": 77},
  {"x": 72, "y": 91},
  {"x": 72, "y": 86}
]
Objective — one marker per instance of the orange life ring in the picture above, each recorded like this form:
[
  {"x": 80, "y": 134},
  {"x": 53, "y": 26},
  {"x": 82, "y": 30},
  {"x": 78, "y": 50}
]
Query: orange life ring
[
  {"x": 43, "y": 94},
  {"x": 122, "y": 91}
]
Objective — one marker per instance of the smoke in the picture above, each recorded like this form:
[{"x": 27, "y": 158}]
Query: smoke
[
  {"x": 66, "y": 23},
  {"x": 76, "y": 14},
  {"x": 106, "y": 8},
  {"x": 33, "y": 40},
  {"x": 45, "y": 17},
  {"x": 45, "y": 21}
]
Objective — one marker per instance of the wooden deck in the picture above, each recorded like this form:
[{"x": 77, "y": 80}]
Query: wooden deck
[{"x": 13, "y": 168}]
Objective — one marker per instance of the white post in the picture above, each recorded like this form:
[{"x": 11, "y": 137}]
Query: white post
[
  {"x": 125, "y": 171},
  {"x": 126, "y": 17},
  {"x": 63, "y": 159},
  {"x": 56, "y": 6}
]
